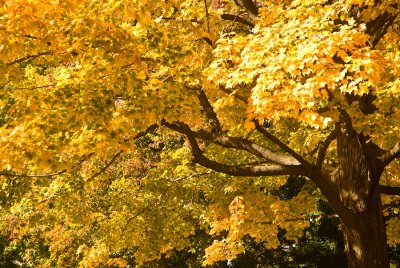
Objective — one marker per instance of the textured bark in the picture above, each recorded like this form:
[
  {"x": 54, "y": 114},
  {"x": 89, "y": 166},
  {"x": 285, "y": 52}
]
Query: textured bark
[
  {"x": 363, "y": 227},
  {"x": 365, "y": 241}
]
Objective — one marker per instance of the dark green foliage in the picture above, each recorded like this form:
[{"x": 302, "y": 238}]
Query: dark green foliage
[
  {"x": 394, "y": 255},
  {"x": 394, "y": 252},
  {"x": 291, "y": 188}
]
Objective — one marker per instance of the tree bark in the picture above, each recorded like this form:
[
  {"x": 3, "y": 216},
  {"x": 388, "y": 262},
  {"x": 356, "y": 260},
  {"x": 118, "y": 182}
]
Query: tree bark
[
  {"x": 365, "y": 240},
  {"x": 363, "y": 228}
]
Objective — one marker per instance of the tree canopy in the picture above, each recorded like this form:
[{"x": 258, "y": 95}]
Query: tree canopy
[{"x": 132, "y": 130}]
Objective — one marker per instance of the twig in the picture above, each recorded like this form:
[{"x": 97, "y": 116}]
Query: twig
[
  {"x": 129, "y": 220},
  {"x": 115, "y": 157},
  {"x": 32, "y": 88},
  {"x": 5, "y": 84},
  {"x": 33, "y": 175},
  {"x": 207, "y": 15},
  {"x": 29, "y": 57}
]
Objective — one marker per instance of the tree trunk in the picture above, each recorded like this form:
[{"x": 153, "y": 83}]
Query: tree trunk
[
  {"x": 363, "y": 227},
  {"x": 365, "y": 241}
]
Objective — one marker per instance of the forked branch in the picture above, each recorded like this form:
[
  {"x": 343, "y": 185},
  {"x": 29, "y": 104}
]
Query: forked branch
[
  {"x": 235, "y": 143},
  {"x": 234, "y": 170},
  {"x": 283, "y": 146}
]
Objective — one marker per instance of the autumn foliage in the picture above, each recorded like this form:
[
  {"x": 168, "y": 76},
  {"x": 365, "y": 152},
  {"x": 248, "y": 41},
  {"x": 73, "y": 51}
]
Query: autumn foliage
[{"x": 132, "y": 131}]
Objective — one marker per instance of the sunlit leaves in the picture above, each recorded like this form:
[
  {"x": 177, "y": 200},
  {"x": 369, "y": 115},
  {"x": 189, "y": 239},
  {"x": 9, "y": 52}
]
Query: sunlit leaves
[
  {"x": 80, "y": 79},
  {"x": 297, "y": 60}
]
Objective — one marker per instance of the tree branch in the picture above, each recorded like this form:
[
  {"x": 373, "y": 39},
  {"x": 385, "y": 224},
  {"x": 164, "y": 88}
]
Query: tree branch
[
  {"x": 390, "y": 155},
  {"x": 37, "y": 87},
  {"x": 273, "y": 170},
  {"x": 207, "y": 109},
  {"x": 21, "y": 175},
  {"x": 5, "y": 84},
  {"x": 234, "y": 170},
  {"x": 238, "y": 96},
  {"x": 236, "y": 18},
  {"x": 257, "y": 150},
  {"x": 282, "y": 145},
  {"x": 389, "y": 190},
  {"x": 8, "y": 174},
  {"x": 236, "y": 143},
  {"x": 29, "y": 57},
  {"x": 249, "y": 6},
  {"x": 324, "y": 146},
  {"x": 378, "y": 27},
  {"x": 208, "y": 41},
  {"x": 115, "y": 157},
  {"x": 207, "y": 15}
]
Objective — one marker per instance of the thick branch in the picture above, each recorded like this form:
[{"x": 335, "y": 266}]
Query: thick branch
[
  {"x": 208, "y": 110},
  {"x": 253, "y": 171},
  {"x": 390, "y": 155},
  {"x": 249, "y": 6},
  {"x": 389, "y": 190},
  {"x": 208, "y": 41},
  {"x": 253, "y": 148},
  {"x": 378, "y": 27},
  {"x": 236, "y": 18},
  {"x": 324, "y": 146},
  {"x": 281, "y": 145}
]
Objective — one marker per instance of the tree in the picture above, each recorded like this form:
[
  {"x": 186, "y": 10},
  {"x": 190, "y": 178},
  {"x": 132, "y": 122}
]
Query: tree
[{"x": 266, "y": 88}]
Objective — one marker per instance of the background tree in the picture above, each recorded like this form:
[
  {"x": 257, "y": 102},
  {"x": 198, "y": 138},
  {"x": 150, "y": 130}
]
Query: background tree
[{"x": 89, "y": 77}]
